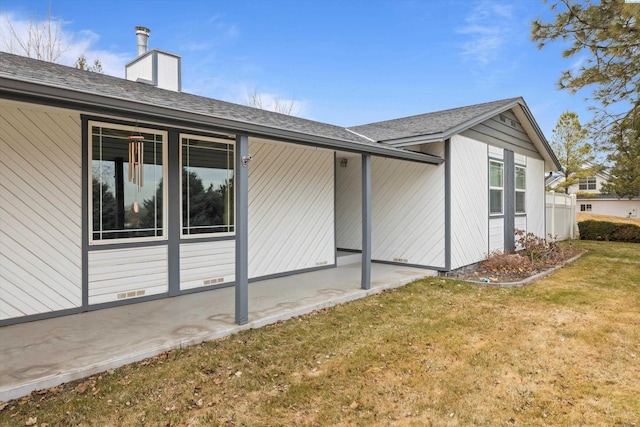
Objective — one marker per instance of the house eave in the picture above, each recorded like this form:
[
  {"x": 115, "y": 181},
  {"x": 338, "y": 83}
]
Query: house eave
[
  {"x": 520, "y": 110},
  {"x": 95, "y": 103}
]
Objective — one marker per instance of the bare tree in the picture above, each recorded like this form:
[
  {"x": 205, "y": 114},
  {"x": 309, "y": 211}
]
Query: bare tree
[
  {"x": 42, "y": 39},
  {"x": 290, "y": 107},
  {"x": 81, "y": 64}
]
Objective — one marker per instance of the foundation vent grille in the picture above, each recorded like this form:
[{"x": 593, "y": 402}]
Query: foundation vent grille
[
  {"x": 131, "y": 294},
  {"x": 213, "y": 281}
]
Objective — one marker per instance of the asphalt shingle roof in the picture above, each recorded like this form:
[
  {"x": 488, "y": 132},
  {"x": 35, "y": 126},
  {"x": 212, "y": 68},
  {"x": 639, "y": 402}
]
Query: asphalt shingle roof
[
  {"x": 429, "y": 123},
  {"x": 60, "y": 76},
  {"x": 39, "y": 78}
]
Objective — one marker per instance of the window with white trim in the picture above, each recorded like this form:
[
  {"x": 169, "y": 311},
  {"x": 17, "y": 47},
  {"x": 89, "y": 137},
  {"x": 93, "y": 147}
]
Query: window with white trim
[
  {"x": 585, "y": 207},
  {"x": 207, "y": 185},
  {"x": 124, "y": 204},
  {"x": 587, "y": 183},
  {"x": 521, "y": 189},
  {"x": 496, "y": 187}
]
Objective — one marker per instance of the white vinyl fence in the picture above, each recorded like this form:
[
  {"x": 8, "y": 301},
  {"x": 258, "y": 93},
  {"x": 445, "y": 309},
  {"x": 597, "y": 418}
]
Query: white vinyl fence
[{"x": 561, "y": 215}]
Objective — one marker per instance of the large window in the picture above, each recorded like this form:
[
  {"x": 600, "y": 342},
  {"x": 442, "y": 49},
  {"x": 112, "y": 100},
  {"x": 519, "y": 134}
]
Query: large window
[
  {"x": 125, "y": 205},
  {"x": 521, "y": 187},
  {"x": 587, "y": 183},
  {"x": 207, "y": 185},
  {"x": 496, "y": 187}
]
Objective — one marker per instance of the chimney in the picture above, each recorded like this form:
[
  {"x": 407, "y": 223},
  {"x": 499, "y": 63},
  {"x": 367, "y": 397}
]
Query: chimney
[
  {"x": 155, "y": 67},
  {"x": 143, "y": 39}
]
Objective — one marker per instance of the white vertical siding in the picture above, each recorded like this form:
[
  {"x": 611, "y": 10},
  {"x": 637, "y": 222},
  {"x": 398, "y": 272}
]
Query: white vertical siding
[
  {"x": 469, "y": 201},
  {"x": 535, "y": 198},
  {"x": 349, "y": 202},
  {"x": 291, "y": 214},
  {"x": 206, "y": 264},
  {"x": 118, "y": 274},
  {"x": 407, "y": 213},
  {"x": 141, "y": 69},
  {"x": 40, "y": 210},
  {"x": 496, "y": 235},
  {"x": 168, "y": 71}
]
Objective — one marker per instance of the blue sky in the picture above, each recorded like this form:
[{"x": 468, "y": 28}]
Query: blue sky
[{"x": 345, "y": 62}]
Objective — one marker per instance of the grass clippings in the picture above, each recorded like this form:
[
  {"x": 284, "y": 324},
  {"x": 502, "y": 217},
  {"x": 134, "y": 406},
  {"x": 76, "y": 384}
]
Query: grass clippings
[{"x": 563, "y": 352}]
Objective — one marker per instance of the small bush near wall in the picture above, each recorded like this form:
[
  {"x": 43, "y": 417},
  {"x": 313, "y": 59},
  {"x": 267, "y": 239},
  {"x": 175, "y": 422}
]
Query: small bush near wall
[{"x": 609, "y": 231}]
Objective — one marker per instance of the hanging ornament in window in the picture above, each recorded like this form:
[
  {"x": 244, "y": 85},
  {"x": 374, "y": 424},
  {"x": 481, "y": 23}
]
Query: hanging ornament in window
[{"x": 136, "y": 164}]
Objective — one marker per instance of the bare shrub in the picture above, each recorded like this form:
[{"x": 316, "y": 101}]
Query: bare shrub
[
  {"x": 538, "y": 249},
  {"x": 498, "y": 261}
]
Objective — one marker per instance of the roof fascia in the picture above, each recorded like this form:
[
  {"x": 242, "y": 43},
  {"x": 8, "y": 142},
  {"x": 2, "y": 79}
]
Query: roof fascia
[
  {"x": 21, "y": 90},
  {"x": 441, "y": 136},
  {"x": 523, "y": 114}
]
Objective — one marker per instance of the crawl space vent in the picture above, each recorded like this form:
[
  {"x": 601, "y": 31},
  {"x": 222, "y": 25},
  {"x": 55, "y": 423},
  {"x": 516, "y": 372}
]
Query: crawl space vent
[
  {"x": 213, "y": 281},
  {"x": 131, "y": 294}
]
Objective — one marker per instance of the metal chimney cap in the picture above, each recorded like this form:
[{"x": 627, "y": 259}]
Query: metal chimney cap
[{"x": 142, "y": 30}]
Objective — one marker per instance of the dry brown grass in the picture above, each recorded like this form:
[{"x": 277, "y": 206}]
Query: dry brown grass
[
  {"x": 581, "y": 216},
  {"x": 564, "y": 351}
]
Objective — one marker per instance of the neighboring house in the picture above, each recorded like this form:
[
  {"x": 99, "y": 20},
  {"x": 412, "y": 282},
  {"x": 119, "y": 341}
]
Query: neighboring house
[
  {"x": 591, "y": 199},
  {"x": 115, "y": 191}
]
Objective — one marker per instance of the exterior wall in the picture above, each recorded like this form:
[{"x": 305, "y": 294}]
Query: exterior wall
[
  {"x": 407, "y": 212},
  {"x": 291, "y": 208},
  {"x": 118, "y": 274},
  {"x": 349, "y": 202},
  {"x": 615, "y": 207},
  {"x": 600, "y": 181},
  {"x": 40, "y": 210},
  {"x": 535, "y": 199},
  {"x": 496, "y": 235},
  {"x": 469, "y": 201},
  {"x": 207, "y": 264},
  {"x": 408, "y": 216}
]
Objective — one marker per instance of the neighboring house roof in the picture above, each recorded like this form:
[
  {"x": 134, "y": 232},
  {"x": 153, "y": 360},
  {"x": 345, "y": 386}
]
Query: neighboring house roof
[
  {"x": 583, "y": 197},
  {"x": 67, "y": 86},
  {"x": 440, "y": 125},
  {"x": 552, "y": 179}
]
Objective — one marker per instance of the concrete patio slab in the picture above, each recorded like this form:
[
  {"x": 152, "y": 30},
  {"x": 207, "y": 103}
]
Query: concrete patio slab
[{"x": 47, "y": 353}]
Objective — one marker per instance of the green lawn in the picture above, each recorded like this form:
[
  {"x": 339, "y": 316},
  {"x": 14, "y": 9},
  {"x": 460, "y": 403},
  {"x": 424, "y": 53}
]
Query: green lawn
[{"x": 563, "y": 351}]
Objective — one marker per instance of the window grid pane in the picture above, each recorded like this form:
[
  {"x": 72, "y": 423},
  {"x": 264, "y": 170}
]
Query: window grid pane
[
  {"x": 119, "y": 210},
  {"x": 496, "y": 178},
  {"x": 495, "y": 201},
  {"x": 207, "y": 186},
  {"x": 496, "y": 184}
]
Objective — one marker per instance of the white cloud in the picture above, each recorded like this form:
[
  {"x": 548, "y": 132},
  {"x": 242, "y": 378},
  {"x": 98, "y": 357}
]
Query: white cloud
[
  {"x": 579, "y": 63},
  {"x": 15, "y": 38},
  {"x": 488, "y": 30},
  {"x": 73, "y": 44}
]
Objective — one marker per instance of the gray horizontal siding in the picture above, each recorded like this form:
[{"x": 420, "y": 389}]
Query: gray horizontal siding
[{"x": 505, "y": 131}]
